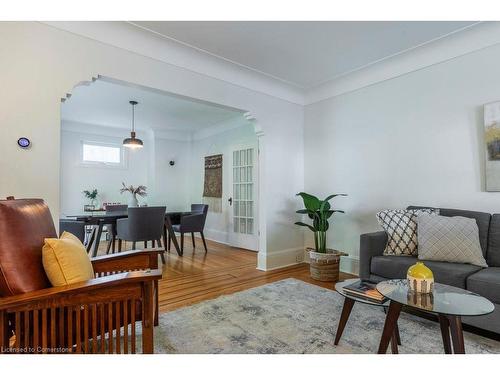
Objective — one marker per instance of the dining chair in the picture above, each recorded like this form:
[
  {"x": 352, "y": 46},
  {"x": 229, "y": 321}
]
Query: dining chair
[
  {"x": 72, "y": 226},
  {"x": 112, "y": 228},
  {"x": 142, "y": 224},
  {"x": 195, "y": 222}
]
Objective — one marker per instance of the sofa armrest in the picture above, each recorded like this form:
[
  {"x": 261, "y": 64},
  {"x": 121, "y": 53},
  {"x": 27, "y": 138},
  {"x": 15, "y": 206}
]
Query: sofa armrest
[{"x": 370, "y": 245}]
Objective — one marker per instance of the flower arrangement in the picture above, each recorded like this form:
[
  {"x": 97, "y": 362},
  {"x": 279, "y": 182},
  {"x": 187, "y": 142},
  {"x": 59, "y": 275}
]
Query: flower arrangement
[
  {"x": 139, "y": 190},
  {"x": 134, "y": 192}
]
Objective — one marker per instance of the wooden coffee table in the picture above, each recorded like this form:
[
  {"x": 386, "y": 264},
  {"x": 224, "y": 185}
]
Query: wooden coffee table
[
  {"x": 346, "y": 311},
  {"x": 448, "y": 302}
]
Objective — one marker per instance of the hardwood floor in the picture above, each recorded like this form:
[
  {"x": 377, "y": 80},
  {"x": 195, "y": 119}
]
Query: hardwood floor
[{"x": 197, "y": 276}]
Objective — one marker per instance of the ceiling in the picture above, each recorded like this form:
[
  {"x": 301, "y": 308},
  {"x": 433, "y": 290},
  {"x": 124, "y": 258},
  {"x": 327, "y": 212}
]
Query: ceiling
[
  {"x": 107, "y": 103},
  {"x": 305, "y": 54}
]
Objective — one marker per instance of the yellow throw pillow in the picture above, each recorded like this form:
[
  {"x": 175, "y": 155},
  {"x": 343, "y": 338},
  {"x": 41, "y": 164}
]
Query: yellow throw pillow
[{"x": 65, "y": 260}]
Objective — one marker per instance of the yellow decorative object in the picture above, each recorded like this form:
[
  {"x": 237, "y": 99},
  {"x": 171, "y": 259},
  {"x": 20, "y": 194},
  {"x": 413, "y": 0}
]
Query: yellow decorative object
[
  {"x": 65, "y": 260},
  {"x": 420, "y": 278}
]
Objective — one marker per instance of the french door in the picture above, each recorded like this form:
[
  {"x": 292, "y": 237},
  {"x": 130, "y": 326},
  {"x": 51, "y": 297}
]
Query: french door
[{"x": 243, "y": 228}]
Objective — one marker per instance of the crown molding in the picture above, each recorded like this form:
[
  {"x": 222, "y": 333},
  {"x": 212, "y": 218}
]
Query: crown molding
[
  {"x": 96, "y": 129},
  {"x": 472, "y": 39},
  {"x": 138, "y": 40},
  {"x": 135, "y": 39}
]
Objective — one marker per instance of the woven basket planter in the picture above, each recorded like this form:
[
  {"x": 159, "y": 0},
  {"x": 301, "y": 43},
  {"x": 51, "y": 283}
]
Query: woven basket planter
[{"x": 325, "y": 266}]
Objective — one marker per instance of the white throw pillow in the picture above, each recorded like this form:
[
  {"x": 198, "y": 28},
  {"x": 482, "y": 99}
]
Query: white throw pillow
[{"x": 449, "y": 239}]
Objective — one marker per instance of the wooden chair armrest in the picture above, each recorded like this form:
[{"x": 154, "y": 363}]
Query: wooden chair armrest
[
  {"x": 126, "y": 261},
  {"x": 73, "y": 291}
]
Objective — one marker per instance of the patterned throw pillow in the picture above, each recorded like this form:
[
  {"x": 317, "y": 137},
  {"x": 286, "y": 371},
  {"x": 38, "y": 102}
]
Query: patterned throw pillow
[
  {"x": 401, "y": 229},
  {"x": 449, "y": 239}
]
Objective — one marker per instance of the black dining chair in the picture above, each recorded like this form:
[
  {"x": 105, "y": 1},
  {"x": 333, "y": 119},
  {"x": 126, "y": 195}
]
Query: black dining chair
[
  {"x": 192, "y": 223},
  {"x": 142, "y": 224},
  {"x": 74, "y": 227},
  {"x": 110, "y": 228}
]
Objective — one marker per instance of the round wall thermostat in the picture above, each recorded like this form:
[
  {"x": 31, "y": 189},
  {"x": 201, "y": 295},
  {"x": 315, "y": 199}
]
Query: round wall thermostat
[{"x": 24, "y": 142}]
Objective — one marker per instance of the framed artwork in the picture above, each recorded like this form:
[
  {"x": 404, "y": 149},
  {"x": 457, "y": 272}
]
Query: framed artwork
[{"x": 492, "y": 145}]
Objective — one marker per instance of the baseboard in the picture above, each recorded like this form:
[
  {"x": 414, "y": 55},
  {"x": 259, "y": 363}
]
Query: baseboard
[
  {"x": 215, "y": 235},
  {"x": 279, "y": 259}
]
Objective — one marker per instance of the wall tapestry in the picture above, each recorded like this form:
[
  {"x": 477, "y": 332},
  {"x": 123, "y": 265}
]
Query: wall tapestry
[
  {"x": 492, "y": 140},
  {"x": 212, "y": 189}
]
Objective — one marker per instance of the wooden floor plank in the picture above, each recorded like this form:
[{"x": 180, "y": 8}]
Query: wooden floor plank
[{"x": 200, "y": 276}]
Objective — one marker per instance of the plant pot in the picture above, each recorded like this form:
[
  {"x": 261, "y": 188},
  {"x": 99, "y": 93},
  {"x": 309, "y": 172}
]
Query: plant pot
[
  {"x": 132, "y": 201},
  {"x": 325, "y": 266}
]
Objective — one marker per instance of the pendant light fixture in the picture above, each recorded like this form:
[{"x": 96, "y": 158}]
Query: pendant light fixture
[{"x": 133, "y": 142}]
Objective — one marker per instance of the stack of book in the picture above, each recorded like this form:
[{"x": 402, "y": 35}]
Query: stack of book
[{"x": 364, "y": 290}]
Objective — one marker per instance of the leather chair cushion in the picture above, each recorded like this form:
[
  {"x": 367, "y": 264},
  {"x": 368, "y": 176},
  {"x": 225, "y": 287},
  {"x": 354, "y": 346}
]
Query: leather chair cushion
[
  {"x": 24, "y": 224},
  {"x": 486, "y": 283},
  {"x": 396, "y": 267}
]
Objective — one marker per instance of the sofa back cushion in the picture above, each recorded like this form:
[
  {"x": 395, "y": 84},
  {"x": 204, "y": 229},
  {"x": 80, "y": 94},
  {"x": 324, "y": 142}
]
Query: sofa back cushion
[
  {"x": 24, "y": 225},
  {"x": 482, "y": 220},
  {"x": 493, "y": 254}
]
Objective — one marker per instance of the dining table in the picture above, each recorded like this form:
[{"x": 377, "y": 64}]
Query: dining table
[{"x": 99, "y": 219}]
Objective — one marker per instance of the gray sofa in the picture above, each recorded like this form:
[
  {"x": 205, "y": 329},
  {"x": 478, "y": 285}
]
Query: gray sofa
[{"x": 484, "y": 281}]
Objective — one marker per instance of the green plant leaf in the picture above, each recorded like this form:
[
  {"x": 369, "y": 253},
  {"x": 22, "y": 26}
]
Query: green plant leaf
[
  {"x": 335, "y": 195},
  {"x": 300, "y": 223},
  {"x": 310, "y": 201}
]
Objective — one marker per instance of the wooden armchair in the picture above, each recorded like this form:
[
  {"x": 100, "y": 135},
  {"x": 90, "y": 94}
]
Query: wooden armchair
[{"x": 95, "y": 316}]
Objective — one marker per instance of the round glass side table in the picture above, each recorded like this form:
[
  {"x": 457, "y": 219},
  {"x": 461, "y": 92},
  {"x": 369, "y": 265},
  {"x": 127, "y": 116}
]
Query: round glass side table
[
  {"x": 349, "y": 301},
  {"x": 448, "y": 302}
]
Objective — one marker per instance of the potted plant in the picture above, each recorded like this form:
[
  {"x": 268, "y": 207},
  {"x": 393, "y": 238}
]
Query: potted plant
[
  {"x": 324, "y": 262},
  {"x": 134, "y": 192},
  {"x": 91, "y": 195}
]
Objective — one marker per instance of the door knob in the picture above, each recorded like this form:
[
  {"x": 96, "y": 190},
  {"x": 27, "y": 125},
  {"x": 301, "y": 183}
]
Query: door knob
[{"x": 230, "y": 200}]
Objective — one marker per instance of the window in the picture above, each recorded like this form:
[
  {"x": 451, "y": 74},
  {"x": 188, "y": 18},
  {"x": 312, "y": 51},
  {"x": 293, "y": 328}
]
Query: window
[{"x": 102, "y": 154}]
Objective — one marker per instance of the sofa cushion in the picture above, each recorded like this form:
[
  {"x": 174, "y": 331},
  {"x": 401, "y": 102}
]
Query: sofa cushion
[
  {"x": 395, "y": 267},
  {"x": 486, "y": 283},
  {"x": 493, "y": 253},
  {"x": 482, "y": 221},
  {"x": 449, "y": 239},
  {"x": 401, "y": 229}
]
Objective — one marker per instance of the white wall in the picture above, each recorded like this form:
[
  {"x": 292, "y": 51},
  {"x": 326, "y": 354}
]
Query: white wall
[
  {"x": 76, "y": 177},
  {"x": 171, "y": 183},
  {"x": 414, "y": 139},
  {"x": 41, "y": 64},
  {"x": 242, "y": 134}
]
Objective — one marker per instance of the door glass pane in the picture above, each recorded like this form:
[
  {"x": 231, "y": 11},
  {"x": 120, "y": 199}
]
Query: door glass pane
[
  {"x": 243, "y": 209},
  {"x": 250, "y": 226},
  {"x": 236, "y": 225},
  {"x": 243, "y": 226},
  {"x": 250, "y": 209}
]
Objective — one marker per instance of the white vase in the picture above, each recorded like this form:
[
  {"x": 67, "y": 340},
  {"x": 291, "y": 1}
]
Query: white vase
[{"x": 132, "y": 201}]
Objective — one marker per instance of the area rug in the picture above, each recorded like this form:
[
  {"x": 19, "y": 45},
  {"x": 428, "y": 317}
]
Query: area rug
[{"x": 291, "y": 316}]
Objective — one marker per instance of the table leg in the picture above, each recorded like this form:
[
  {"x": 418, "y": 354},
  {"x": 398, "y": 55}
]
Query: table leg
[
  {"x": 97, "y": 240},
  {"x": 398, "y": 337},
  {"x": 444, "y": 323},
  {"x": 391, "y": 320},
  {"x": 91, "y": 239},
  {"x": 346, "y": 311},
  {"x": 171, "y": 233},
  {"x": 457, "y": 335},
  {"x": 394, "y": 342}
]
